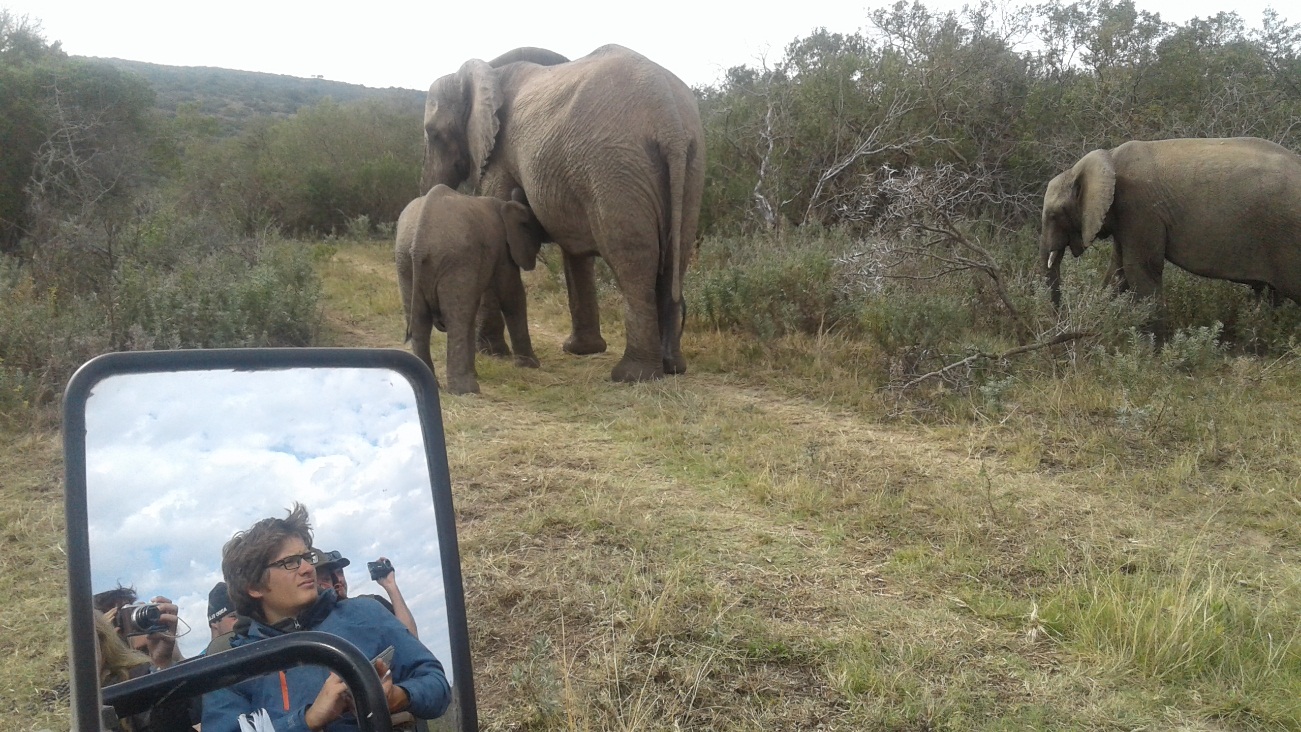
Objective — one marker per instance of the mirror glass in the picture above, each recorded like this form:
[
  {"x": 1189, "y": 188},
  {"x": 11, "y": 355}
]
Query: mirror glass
[{"x": 177, "y": 462}]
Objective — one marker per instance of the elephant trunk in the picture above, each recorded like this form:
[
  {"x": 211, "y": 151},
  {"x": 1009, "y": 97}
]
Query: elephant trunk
[
  {"x": 436, "y": 169},
  {"x": 1052, "y": 269},
  {"x": 426, "y": 173}
]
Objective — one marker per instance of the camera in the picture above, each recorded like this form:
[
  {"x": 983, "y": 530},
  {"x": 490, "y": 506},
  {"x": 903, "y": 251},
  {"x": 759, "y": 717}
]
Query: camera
[
  {"x": 380, "y": 569},
  {"x": 142, "y": 618}
]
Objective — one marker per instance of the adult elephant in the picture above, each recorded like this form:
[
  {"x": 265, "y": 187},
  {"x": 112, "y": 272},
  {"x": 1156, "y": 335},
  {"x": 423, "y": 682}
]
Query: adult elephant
[
  {"x": 609, "y": 151},
  {"x": 1225, "y": 208}
]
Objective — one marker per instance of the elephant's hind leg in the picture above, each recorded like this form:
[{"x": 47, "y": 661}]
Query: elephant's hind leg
[
  {"x": 421, "y": 328},
  {"x": 461, "y": 375},
  {"x": 643, "y": 355},
  {"x": 514, "y": 306},
  {"x": 672, "y": 316},
  {"x": 490, "y": 339}
]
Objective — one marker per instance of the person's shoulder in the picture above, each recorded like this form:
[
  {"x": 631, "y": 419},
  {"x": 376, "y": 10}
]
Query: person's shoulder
[
  {"x": 223, "y": 642},
  {"x": 383, "y": 601},
  {"x": 362, "y": 606}
]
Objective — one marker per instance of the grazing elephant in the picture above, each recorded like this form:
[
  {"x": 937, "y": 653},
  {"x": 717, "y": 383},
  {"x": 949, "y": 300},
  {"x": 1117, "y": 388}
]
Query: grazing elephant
[
  {"x": 1227, "y": 209},
  {"x": 609, "y": 151},
  {"x": 451, "y": 249}
]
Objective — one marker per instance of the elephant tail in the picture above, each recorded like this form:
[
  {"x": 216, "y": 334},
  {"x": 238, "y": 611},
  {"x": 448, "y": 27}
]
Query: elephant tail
[
  {"x": 415, "y": 296},
  {"x": 678, "y": 155}
]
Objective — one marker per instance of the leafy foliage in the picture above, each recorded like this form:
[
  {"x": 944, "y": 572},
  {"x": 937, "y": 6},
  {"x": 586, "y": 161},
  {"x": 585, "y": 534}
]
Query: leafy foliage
[
  {"x": 70, "y": 129},
  {"x": 1016, "y": 94},
  {"x": 170, "y": 284},
  {"x": 314, "y": 172},
  {"x": 100, "y": 249}
]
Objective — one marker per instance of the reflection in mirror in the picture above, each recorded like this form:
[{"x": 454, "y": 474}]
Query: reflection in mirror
[{"x": 177, "y": 462}]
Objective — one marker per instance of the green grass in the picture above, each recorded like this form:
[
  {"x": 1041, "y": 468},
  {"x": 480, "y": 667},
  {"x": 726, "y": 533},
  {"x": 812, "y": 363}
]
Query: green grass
[
  {"x": 1229, "y": 643},
  {"x": 1105, "y": 538}
]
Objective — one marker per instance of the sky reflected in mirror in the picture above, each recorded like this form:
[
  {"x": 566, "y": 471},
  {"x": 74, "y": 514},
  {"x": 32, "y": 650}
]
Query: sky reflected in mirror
[{"x": 178, "y": 462}]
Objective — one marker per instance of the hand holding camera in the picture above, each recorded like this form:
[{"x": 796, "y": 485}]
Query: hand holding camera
[
  {"x": 156, "y": 620},
  {"x": 141, "y": 618},
  {"x": 380, "y": 569}
]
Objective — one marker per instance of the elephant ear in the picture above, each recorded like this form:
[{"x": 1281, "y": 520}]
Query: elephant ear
[
  {"x": 483, "y": 94},
  {"x": 523, "y": 234},
  {"x": 1095, "y": 185}
]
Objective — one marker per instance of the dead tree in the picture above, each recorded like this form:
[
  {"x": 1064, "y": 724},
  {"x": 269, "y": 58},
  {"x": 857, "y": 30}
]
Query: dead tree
[
  {"x": 767, "y": 212},
  {"x": 874, "y": 142},
  {"x": 924, "y": 216}
]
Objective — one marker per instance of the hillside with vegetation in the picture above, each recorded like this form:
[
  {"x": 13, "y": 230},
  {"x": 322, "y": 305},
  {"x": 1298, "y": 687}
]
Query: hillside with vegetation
[
  {"x": 897, "y": 489},
  {"x": 235, "y": 98}
]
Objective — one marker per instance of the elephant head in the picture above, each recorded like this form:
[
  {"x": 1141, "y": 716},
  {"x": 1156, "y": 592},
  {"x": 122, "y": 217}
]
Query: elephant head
[
  {"x": 460, "y": 125},
  {"x": 1075, "y": 211},
  {"x": 461, "y": 121}
]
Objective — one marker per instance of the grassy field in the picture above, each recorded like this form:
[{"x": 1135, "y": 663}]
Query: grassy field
[{"x": 771, "y": 543}]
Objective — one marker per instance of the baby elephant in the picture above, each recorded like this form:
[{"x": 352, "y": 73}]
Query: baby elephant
[{"x": 451, "y": 249}]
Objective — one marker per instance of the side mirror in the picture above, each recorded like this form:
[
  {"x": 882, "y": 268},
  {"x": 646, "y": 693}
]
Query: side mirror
[{"x": 169, "y": 453}]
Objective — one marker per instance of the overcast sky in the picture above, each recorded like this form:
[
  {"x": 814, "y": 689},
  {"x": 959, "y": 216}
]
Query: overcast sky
[
  {"x": 177, "y": 463},
  {"x": 408, "y": 44}
]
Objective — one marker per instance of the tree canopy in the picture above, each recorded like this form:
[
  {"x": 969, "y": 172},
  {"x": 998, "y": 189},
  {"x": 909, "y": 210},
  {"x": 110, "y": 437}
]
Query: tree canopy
[{"x": 1018, "y": 93}]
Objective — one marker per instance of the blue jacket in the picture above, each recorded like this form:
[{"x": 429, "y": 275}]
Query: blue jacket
[{"x": 366, "y": 625}]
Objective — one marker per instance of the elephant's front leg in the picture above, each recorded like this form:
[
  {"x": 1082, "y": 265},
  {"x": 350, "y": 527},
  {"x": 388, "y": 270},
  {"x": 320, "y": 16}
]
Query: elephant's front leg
[
  {"x": 1115, "y": 278},
  {"x": 461, "y": 375},
  {"x": 514, "y": 306},
  {"x": 491, "y": 339},
  {"x": 1143, "y": 261},
  {"x": 1142, "y": 265},
  {"x": 584, "y": 312}
]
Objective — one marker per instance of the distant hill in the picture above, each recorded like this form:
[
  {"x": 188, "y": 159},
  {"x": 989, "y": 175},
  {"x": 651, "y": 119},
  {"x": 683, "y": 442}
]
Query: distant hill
[{"x": 239, "y": 96}]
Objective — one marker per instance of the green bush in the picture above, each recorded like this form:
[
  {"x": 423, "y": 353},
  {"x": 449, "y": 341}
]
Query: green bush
[
  {"x": 317, "y": 172},
  {"x": 771, "y": 286},
  {"x": 1195, "y": 350},
  {"x": 44, "y": 336},
  {"x": 1267, "y": 329},
  {"x": 174, "y": 284},
  {"x": 221, "y": 300},
  {"x": 358, "y": 228},
  {"x": 900, "y": 320}
]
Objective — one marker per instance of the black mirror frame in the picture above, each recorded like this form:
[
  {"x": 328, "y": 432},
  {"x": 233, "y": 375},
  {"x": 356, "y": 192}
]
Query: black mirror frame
[{"x": 84, "y": 681}]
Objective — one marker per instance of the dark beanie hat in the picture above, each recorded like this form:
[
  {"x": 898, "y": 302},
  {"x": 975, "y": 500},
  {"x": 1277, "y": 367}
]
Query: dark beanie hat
[{"x": 218, "y": 603}]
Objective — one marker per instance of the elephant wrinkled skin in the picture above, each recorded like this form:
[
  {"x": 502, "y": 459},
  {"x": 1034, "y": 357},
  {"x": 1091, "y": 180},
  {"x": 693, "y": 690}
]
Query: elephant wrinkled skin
[
  {"x": 452, "y": 249},
  {"x": 609, "y": 151},
  {"x": 1224, "y": 208}
]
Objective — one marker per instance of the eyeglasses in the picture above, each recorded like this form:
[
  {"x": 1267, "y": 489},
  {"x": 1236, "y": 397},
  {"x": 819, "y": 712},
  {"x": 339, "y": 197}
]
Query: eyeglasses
[{"x": 292, "y": 563}]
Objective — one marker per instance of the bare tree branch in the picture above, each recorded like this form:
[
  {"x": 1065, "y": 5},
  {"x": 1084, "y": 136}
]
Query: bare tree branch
[
  {"x": 761, "y": 202},
  {"x": 926, "y": 212},
  {"x": 872, "y": 143},
  {"x": 982, "y": 355}
]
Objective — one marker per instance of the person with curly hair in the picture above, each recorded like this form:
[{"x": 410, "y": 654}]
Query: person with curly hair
[{"x": 271, "y": 580}]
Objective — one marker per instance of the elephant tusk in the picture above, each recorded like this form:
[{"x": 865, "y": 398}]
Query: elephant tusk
[{"x": 1051, "y": 256}]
